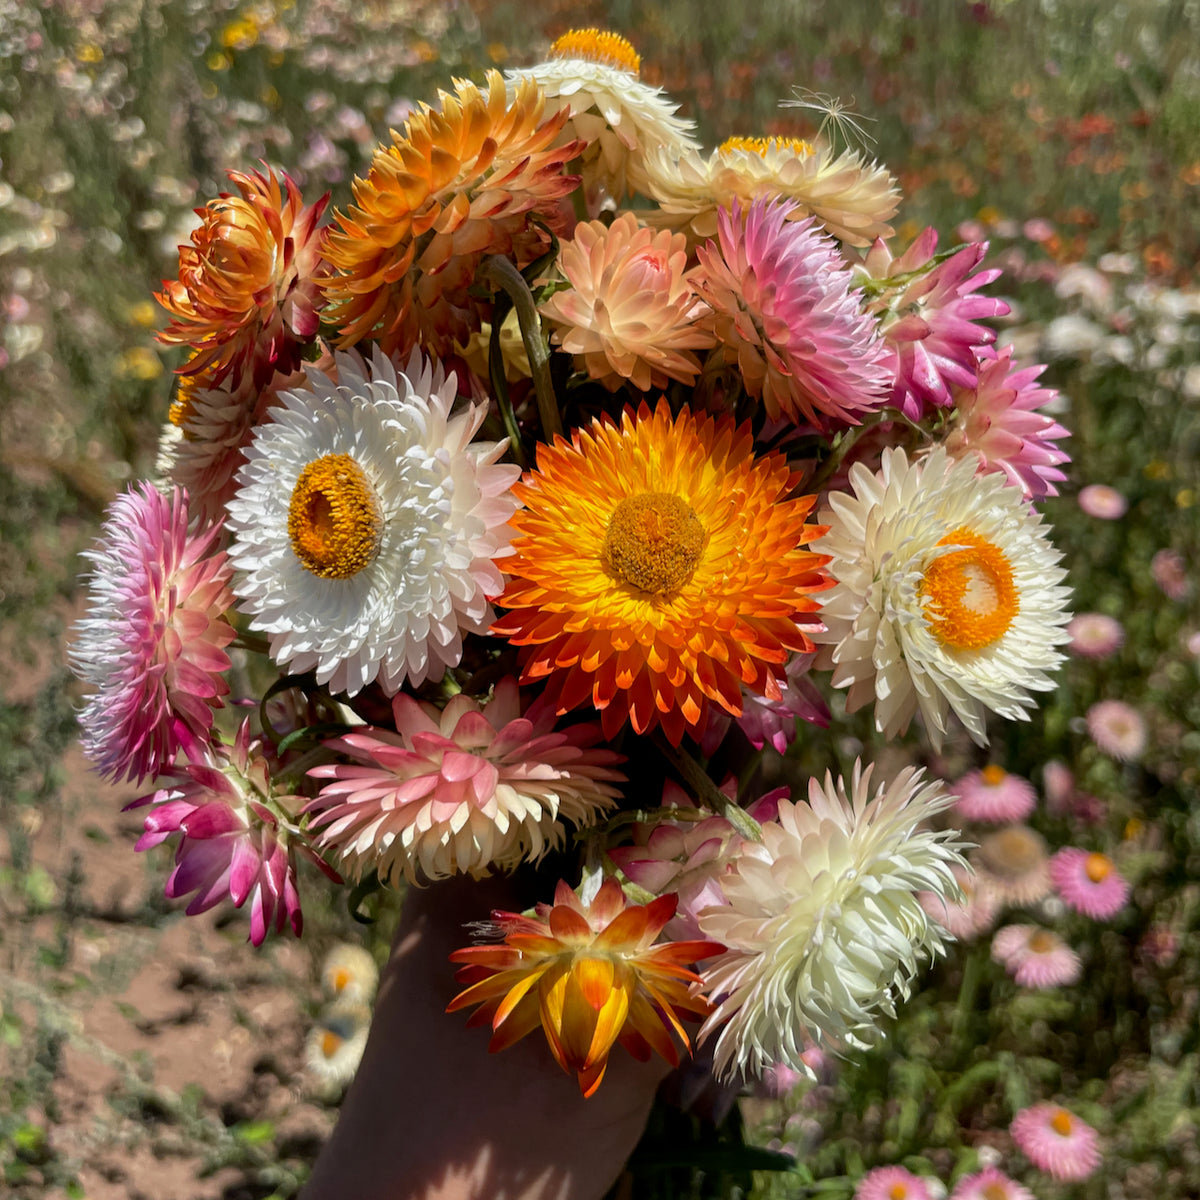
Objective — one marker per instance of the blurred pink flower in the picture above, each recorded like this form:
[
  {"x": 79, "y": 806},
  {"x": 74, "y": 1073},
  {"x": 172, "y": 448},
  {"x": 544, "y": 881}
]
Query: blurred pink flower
[
  {"x": 1171, "y": 574},
  {"x": 1103, "y": 502},
  {"x": 1095, "y": 635},
  {"x": 990, "y": 1184},
  {"x": 891, "y": 1183},
  {"x": 1056, "y": 1141},
  {"x": 974, "y": 914},
  {"x": 1088, "y": 882},
  {"x": 1058, "y": 784},
  {"x": 1036, "y": 958},
  {"x": 1117, "y": 729},
  {"x": 1038, "y": 229},
  {"x": 992, "y": 794},
  {"x": 1014, "y": 861}
]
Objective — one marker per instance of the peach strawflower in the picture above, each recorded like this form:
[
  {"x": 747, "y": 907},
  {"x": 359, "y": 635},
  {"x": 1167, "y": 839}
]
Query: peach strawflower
[
  {"x": 1118, "y": 729},
  {"x": 1056, "y": 1141},
  {"x": 591, "y": 976},
  {"x": 993, "y": 795},
  {"x": 974, "y": 913},
  {"x": 659, "y": 566},
  {"x": 479, "y": 177},
  {"x": 891, "y": 1183},
  {"x": 1036, "y": 958},
  {"x": 1089, "y": 882},
  {"x": 1095, "y": 635},
  {"x": 1103, "y": 502},
  {"x": 246, "y": 299},
  {"x": 629, "y": 313},
  {"x": 1014, "y": 862}
]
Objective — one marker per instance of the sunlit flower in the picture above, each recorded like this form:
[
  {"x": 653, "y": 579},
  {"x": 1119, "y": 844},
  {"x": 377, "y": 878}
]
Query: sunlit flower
[
  {"x": 1103, "y": 502},
  {"x": 152, "y": 645},
  {"x": 335, "y": 1044},
  {"x": 1014, "y": 862},
  {"x": 823, "y": 926},
  {"x": 246, "y": 299},
  {"x": 591, "y": 976},
  {"x": 348, "y": 972},
  {"x": 990, "y": 1184},
  {"x": 1094, "y": 635},
  {"x": 367, "y": 523},
  {"x": 1118, "y": 729},
  {"x": 617, "y": 117},
  {"x": 947, "y": 596},
  {"x": 992, "y": 794},
  {"x": 465, "y": 789},
  {"x": 480, "y": 175},
  {"x": 658, "y": 566},
  {"x": 1089, "y": 882},
  {"x": 891, "y": 1183},
  {"x": 973, "y": 913},
  {"x": 629, "y": 313},
  {"x": 853, "y": 199},
  {"x": 784, "y": 311},
  {"x": 1036, "y": 958},
  {"x": 1056, "y": 1141}
]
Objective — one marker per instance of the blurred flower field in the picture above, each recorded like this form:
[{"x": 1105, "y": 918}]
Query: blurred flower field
[{"x": 1065, "y": 134}]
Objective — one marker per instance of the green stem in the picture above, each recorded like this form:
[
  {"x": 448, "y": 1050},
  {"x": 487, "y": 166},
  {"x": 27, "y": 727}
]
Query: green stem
[
  {"x": 849, "y": 440},
  {"x": 698, "y": 779},
  {"x": 251, "y": 642}
]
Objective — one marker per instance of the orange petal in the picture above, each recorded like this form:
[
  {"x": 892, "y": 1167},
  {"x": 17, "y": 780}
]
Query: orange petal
[{"x": 594, "y": 978}]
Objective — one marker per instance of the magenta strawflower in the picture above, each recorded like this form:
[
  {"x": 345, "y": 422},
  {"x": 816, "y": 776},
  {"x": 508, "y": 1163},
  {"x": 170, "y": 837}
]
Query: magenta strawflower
[
  {"x": 928, "y": 317},
  {"x": 153, "y": 642},
  {"x": 784, "y": 309},
  {"x": 891, "y": 1183},
  {"x": 993, "y": 795},
  {"x": 1056, "y": 1141},
  {"x": 774, "y": 721},
  {"x": 1118, "y": 729},
  {"x": 1103, "y": 502},
  {"x": 990, "y": 1184},
  {"x": 1095, "y": 635},
  {"x": 1088, "y": 882},
  {"x": 1036, "y": 958},
  {"x": 996, "y": 419},
  {"x": 239, "y": 837}
]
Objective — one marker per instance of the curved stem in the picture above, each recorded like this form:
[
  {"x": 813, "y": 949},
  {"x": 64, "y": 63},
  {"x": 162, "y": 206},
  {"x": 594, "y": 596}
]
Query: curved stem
[{"x": 698, "y": 779}]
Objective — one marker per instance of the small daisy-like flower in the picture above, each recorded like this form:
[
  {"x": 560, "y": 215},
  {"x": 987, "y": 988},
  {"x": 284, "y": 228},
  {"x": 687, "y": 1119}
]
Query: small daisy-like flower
[
  {"x": 997, "y": 421},
  {"x": 992, "y": 794},
  {"x": 1056, "y": 1141},
  {"x": 618, "y": 118},
  {"x": 1089, "y": 882},
  {"x": 590, "y": 975},
  {"x": 465, "y": 789},
  {"x": 783, "y": 309},
  {"x": 246, "y": 299},
  {"x": 1036, "y": 958},
  {"x": 658, "y": 566},
  {"x": 366, "y": 526},
  {"x": 479, "y": 176},
  {"x": 990, "y": 1184},
  {"x": 947, "y": 596},
  {"x": 152, "y": 644},
  {"x": 1103, "y": 502},
  {"x": 1170, "y": 572},
  {"x": 1015, "y": 863},
  {"x": 823, "y": 926},
  {"x": 348, "y": 972},
  {"x": 929, "y": 316},
  {"x": 853, "y": 199},
  {"x": 335, "y": 1044},
  {"x": 891, "y": 1183},
  {"x": 629, "y": 313},
  {"x": 973, "y": 913},
  {"x": 1118, "y": 729},
  {"x": 1094, "y": 635}
]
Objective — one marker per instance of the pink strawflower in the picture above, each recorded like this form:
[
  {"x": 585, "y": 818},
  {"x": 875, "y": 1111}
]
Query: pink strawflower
[
  {"x": 1095, "y": 635},
  {"x": 1058, "y": 784},
  {"x": 783, "y": 307},
  {"x": 1104, "y": 502},
  {"x": 774, "y": 721},
  {"x": 153, "y": 642},
  {"x": 1036, "y": 958},
  {"x": 992, "y": 794},
  {"x": 989, "y": 1184},
  {"x": 464, "y": 789},
  {"x": 891, "y": 1183},
  {"x": 1171, "y": 574},
  {"x": 967, "y": 918},
  {"x": 1089, "y": 882},
  {"x": 1013, "y": 860},
  {"x": 1056, "y": 1141},
  {"x": 239, "y": 837},
  {"x": 779, "y": 1080},
  {"x": 1118, "y": 729},
  {"x": 929, "y": 319}
]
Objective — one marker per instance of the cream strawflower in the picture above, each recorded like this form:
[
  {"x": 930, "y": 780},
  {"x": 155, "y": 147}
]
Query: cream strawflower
[
  {"x": 824, "y": 928},
  {"x": 366, "y": 525},
  {"x": 948, "y": 596},
  {"x": 851, "y": 197}
]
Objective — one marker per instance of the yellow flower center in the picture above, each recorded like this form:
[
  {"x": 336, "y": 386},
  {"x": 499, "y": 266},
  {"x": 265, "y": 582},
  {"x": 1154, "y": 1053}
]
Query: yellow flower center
[
  {"x": 1098, "y": 867},
  {"x": 993, "y": 775},
  {"x": 970, "y": 597},
  {"x": 182, "y": 406},
  {"x": 995, "y": 1191},
  {"x": 334, "y": 521},
  {"x": 1061, "y": 1122},
  {"x": 654, "y": 542},
  {"x": 598, "y": 46},
  {"x": 898, "y": 1191},
  {"x": 330, "y": 1042},
  {"x": 762, "y": 145},
  {"x": 1042, "y": 942},
  {"x": 341, "y": 977}
]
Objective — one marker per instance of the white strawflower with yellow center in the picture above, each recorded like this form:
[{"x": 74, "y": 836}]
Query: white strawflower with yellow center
[
  {"x": 823, "y": 926},
  {"x": 367, "y": 524},
  {"x": 853, "y": 198},
  {"x": 948, "y": 595},
  {"x": 595, "y": 75},
  {"x": 335, "y": 1044}
]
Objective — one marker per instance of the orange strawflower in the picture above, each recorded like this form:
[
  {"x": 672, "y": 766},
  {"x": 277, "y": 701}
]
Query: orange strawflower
[
  {"x": 479, "y": 177},
  {"x": 589, "y": 974},
  {"x": 246, "y": 299},
  {"x": 658, "y": 568}
]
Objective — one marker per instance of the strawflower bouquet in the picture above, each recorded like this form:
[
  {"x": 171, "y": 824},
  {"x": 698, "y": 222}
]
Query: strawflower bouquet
[{"x": 541, "y": 484}]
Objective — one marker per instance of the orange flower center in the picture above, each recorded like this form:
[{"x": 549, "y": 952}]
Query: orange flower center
[
  {"x": 330, "y": 1043},
  {"x": 598, "y": 46},
  {"x": 993, "y": 775},
  {"x": 761, "y": 145},
  {"x": 1061, "y": 1122},
  {"x": 1098, "y": 867},
  {"x": 970, "y": 597},
  {"x": 334, "y": 521},
  {"x": 654, "y": 542},
  {"x": 995, "y": 1191},
  {"x": 898, "y": 1191},
  {"x": 180, "y": 412},
  {"x": 1042, "y": 942},
  {"x": 341, "y": 977}
]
